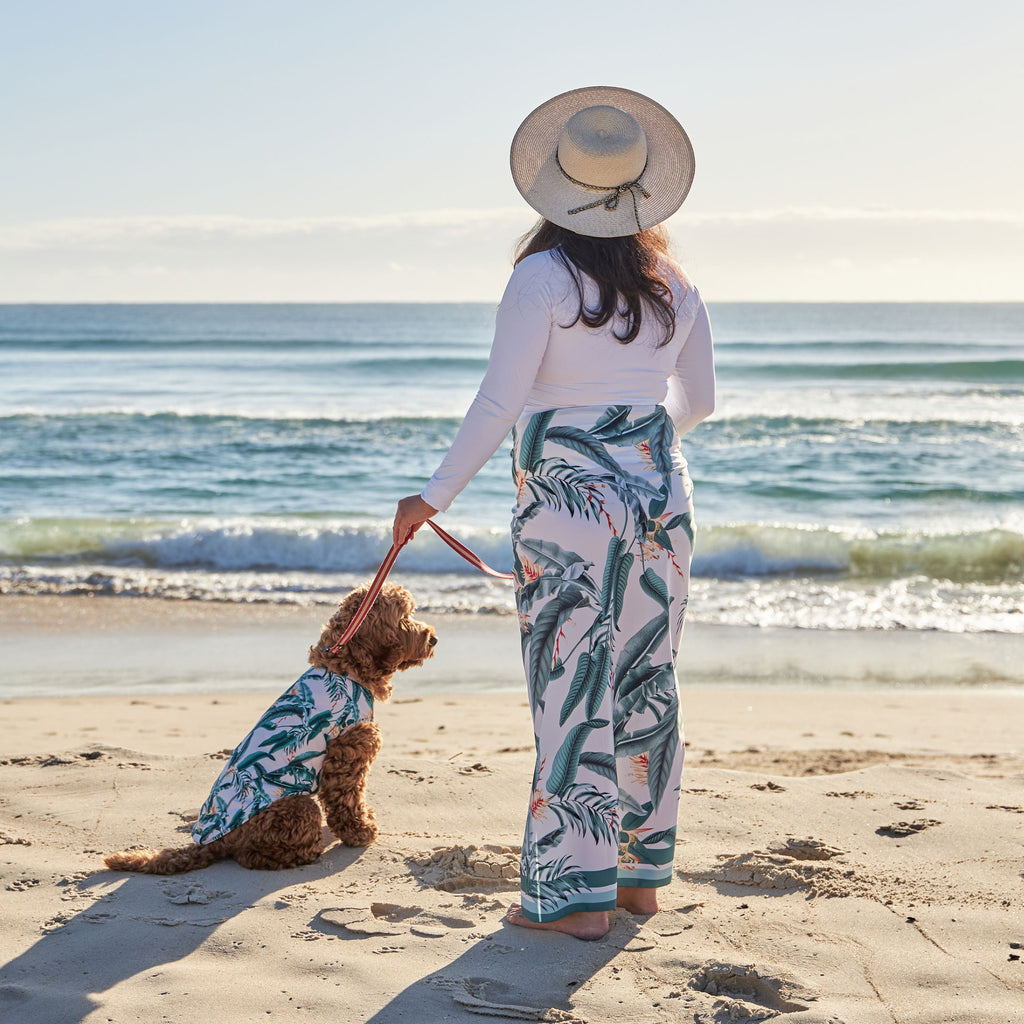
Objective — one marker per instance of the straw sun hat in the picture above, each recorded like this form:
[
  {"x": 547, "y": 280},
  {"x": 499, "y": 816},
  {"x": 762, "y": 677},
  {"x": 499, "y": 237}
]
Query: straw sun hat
[{"x": 602, "y": 161}]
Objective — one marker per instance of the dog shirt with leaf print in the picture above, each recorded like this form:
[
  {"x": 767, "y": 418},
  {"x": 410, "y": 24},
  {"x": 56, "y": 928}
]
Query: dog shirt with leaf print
[{"x": 284, "y": 754}]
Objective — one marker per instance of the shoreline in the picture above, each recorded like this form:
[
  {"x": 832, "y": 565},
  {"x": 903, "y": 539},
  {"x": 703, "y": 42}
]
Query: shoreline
[{"x": 84, "y": 645}]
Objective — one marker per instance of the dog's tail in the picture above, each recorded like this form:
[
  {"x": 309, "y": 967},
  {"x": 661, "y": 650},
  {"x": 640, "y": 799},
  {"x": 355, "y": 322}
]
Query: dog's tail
[{"x": 167, "y": 862}]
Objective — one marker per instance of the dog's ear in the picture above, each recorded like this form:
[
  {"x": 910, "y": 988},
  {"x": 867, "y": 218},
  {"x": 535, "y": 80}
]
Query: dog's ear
[
  {"x": 377, "y": 649},
  {"x": 380, "y": 642}
]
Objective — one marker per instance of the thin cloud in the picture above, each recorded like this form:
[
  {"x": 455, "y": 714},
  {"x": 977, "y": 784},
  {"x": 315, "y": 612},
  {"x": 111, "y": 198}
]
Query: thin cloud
[
  {"x": 116, "y": 232},
  {"x": 871, "y": 215},
  {"x": 106, "y": 231}
]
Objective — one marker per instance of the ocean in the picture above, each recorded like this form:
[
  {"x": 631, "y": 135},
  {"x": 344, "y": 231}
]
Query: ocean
[{"x": 864, "y": 469}]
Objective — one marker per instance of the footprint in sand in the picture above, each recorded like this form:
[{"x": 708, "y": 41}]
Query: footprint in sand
[
  {"x": 392, "y": 919},
  {"x": 38, "y": 760},
  {"x": 494, "y": 998},
  {"x": 757, "y": 995},
  {"x": 410, "y": 773},
  {"x": 22, "y": 884},
  {"x": 359, "y": 922},
  {"x": 900, "y": 829},
  {"x": 792, "y": 865},
  {"x": 182, "y": 893},
  {"x": 454, "y": 868},
  {"x": 806, "y": 849}
]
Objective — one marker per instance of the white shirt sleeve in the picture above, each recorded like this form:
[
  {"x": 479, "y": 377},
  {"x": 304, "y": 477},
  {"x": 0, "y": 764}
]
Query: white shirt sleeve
[
  {"x": 522, "y": 329},
  {"x": 691, "y": 388}
]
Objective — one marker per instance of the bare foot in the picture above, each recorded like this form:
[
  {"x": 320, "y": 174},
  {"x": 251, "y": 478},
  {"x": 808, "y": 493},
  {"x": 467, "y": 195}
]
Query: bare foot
[
  {"x": 586, "y": 925},
  {"x": 637, "y": 901}
]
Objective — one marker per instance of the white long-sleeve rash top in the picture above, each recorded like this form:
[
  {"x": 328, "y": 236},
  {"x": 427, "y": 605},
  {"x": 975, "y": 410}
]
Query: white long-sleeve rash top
[{"x": 537, "y": 364}]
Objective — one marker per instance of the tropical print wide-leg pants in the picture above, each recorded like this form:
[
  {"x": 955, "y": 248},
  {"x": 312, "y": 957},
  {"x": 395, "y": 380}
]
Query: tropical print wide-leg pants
[{"x": 602, "y": 535}]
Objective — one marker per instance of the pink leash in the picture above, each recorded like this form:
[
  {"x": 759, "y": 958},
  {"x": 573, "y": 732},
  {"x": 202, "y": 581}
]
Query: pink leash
[{"x": 382, "y": 574}]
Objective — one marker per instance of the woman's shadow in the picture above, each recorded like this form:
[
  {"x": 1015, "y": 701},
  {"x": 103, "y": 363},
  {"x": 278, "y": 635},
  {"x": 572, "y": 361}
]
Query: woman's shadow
[
  {"x": 133, "y": 924},
  {"x": 514, "y": 972}
]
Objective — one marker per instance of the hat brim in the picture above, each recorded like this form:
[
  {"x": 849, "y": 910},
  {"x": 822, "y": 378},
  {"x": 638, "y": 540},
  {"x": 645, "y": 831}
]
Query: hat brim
[{"x": 667, "y": 177}]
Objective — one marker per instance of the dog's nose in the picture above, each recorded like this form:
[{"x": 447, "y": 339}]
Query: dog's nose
[{"x": 432, "y": 641}]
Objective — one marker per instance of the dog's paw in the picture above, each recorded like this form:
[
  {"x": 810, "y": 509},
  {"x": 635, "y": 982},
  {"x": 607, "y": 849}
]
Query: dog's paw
[{"x": 358, "y": 835}]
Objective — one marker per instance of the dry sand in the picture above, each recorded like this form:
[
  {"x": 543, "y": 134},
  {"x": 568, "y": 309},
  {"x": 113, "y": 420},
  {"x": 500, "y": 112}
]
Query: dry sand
[{"x": 842, "y": 856}]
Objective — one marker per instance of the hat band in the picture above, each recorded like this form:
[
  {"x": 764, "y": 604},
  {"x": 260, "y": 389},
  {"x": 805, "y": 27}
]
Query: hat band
[{"x": 615, "y": 192}]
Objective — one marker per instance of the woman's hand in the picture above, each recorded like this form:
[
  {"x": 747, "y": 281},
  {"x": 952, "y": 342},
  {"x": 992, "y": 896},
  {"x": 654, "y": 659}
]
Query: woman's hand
[{"x": 412, "y": 513}]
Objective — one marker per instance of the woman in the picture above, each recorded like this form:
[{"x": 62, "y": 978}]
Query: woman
[{"x": 602, "y": 356}]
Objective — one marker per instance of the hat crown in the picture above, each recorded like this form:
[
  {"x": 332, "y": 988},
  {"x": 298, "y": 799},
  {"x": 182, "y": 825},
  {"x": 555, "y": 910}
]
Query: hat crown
[{"x": 603, "y": 146}]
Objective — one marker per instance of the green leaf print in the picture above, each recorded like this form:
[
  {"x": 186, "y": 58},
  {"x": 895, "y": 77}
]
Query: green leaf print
[
  {"x": 587, "y": 810},
  {"x": 552, "y": 839},
  {"x": 237, "y": 819},
  {"x": 634, "y": 813},
  {"x": 542, "y": 586},
  {"x": 619, "y": 430},
  {"x": 581, "y": 441},
  {"x": 646, "y": 687},
  {"x": 551, "y": 558},
  {"x": 589, "y": 682},
  {"x": 659, "y": 764},
  {"x": 282, "y": 711},
  {"x": 541, "y": 638},
  {"x": 639, "y": 847},
  {"x": 653, "y": 838},
  {"x": 600, "y": 677},
  {"x": 660, "y": 537},
  {"x": 654, "y": 586},
  {"x": 532, "y": 445},
  {"x": 644, "y": 740},
  {"x": 621, "y": 585},
  {"x": 339, "y": 688},
  {"x": 567, "y": 760},
  {"x": 613, "y": 585},
  {"x": 558, "y": 484},
  {"x": 283, "y": 739},
  {"x": 644, "y": 642},
  {"x": 611, "y": 421},
  {"x": 680, "y": 618},
  {"x": 554, "y": 882},
  {"x": 319, "y": 723},
  {"x": 252, "y": 759},
  {"x": 519, "y": 520},
  {"x": 661, "y": 441},
  {"x": 684, "y": 520},
  {"x": 293, "y": 778},
  {"x": 575, "y": 694},
  {"x": 600, "y": 763}
]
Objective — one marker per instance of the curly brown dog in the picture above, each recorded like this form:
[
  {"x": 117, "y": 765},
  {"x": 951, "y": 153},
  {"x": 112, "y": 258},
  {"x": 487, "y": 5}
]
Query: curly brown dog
[{"x": 288, "y": 830}]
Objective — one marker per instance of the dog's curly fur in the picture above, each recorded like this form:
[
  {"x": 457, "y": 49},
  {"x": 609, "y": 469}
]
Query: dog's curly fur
[{"x": 290, "y": 831}]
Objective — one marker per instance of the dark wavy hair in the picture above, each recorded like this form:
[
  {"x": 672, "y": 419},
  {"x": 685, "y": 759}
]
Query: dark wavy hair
[{"x": 627, "y": 271}]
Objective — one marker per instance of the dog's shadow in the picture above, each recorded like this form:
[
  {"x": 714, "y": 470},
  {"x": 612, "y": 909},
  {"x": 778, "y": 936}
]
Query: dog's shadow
[{"x": 132, "y": 924}]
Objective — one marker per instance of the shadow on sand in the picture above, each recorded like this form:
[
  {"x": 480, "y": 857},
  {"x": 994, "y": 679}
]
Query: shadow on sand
[
  {"x": 134, "y": 924},
  {"x": 512, "y": 973}
]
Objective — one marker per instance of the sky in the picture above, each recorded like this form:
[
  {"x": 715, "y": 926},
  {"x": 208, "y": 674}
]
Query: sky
[{"x": 341, "y": 151}]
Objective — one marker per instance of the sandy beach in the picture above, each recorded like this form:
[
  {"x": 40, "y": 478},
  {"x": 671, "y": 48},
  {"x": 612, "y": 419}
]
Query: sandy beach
[{"x": 845, "y": 854}]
